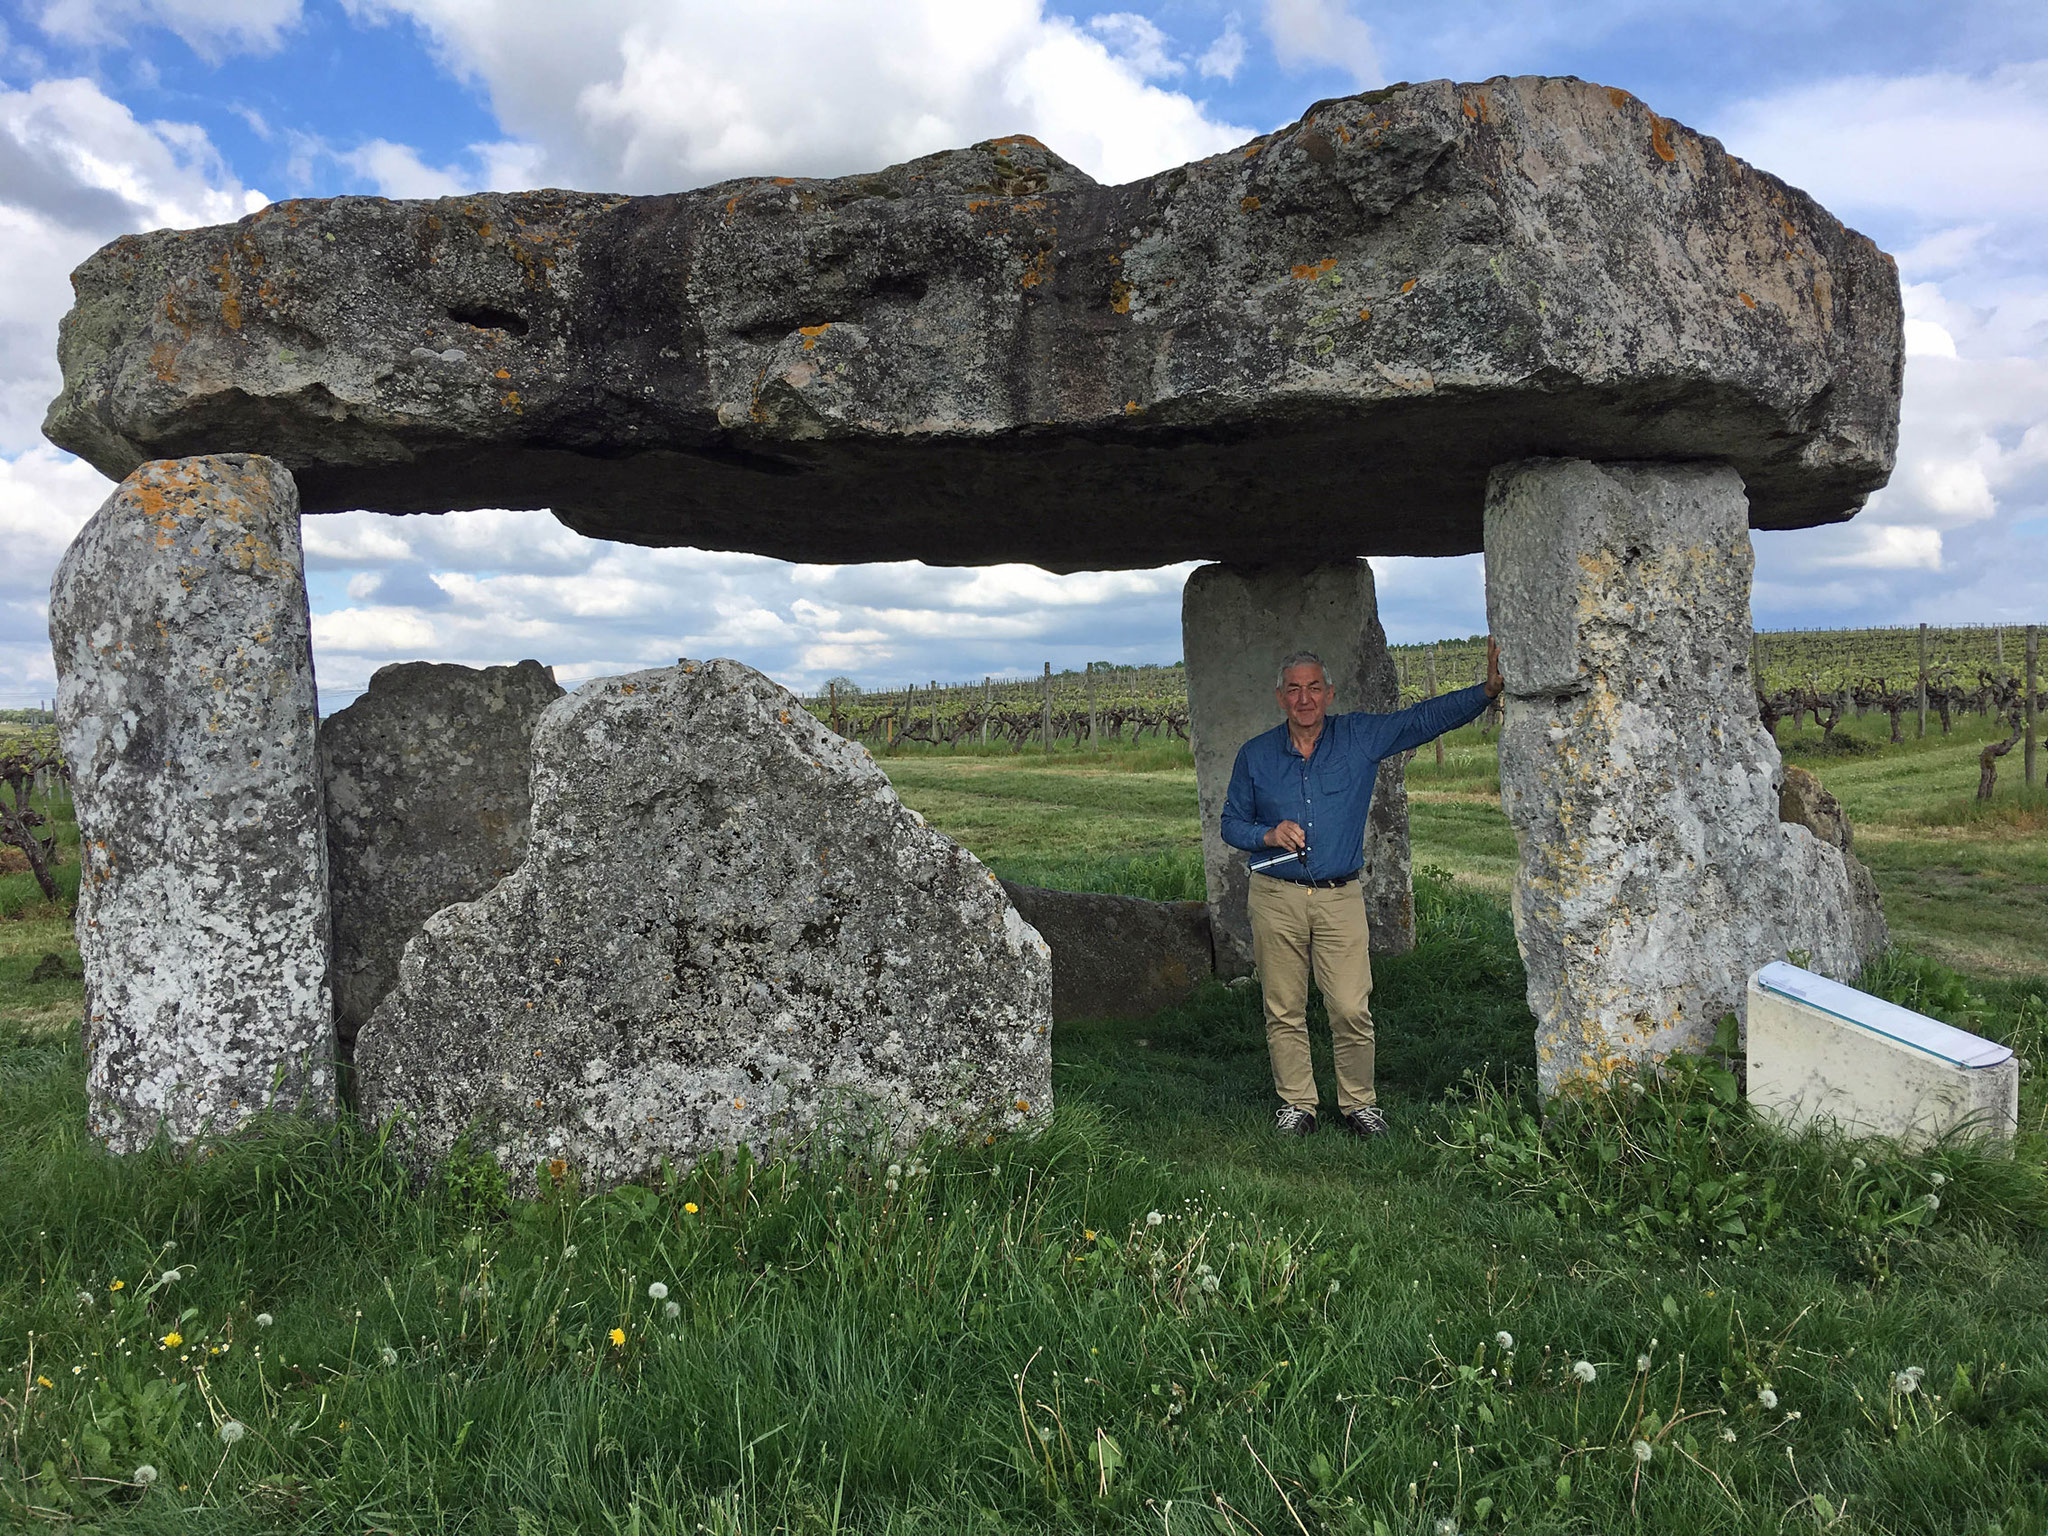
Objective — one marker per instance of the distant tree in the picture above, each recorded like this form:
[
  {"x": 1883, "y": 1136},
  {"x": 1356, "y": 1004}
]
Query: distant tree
[
  {"x": 845, "y": 687},
  {"x": 20, "y": 762}
]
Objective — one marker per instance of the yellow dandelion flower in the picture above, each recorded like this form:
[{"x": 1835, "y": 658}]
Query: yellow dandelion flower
[
  {"x": 173, "y": 1339},
  {"x": 1088, "y": 1233},
  {"x": 44, "y": 1381},
  {"x": 690, "y": 1207},
  {"x": 618, "y": 1338},
  {"x": 118, "y": 1285}
]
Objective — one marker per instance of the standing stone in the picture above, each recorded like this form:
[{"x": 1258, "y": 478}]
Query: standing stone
[
  {"x": 1644, "y": 791},
  {"x": 427, "y": 798},
  {"x": 1117, "y": 957},
  {"x": 186, "y": 707},
  {"x": 1237, "y": 623},
  {"x": 727, "y": 931}
]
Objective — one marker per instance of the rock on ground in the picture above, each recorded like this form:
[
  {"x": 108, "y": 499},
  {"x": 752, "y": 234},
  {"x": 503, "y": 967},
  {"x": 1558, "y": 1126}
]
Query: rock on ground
[
  {"x": 727, "y": 930},
  {"x": 1237, "y": 623},
  {"x": 1117, "y": 957},
  {"x": 1805, "y": 801},
  {"x": 185, "y": 705},
  {"x": 1326, "y": 337},
  {"x": 426, "y": 779},
  {"x": 1644, "y": 791}
]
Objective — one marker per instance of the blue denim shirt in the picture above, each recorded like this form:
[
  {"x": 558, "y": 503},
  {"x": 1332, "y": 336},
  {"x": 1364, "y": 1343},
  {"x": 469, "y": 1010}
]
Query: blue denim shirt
[{"x": 1329, "y": 793}]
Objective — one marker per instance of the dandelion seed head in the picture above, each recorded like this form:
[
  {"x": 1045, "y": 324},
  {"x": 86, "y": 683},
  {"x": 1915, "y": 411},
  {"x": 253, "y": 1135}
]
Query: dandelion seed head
[
  {"x": 388, "y": 1355},
  {"x": 672, "y": 1309},
  {"x": 1933, "y": 1202},
  {"x": 895, "y": 1170},
  {"x": 569, "y": 1252},
  {"x": 1642, "y": 1364},
  {"x": 1447, "y": 1526},
  {"x": 232, "y": 1430},
  {"x": 1728, "y": 1435},
  {"x": 1585, "y": 1371},
  {"x": 264, "y": 1319},
  {"x": 144, "y": 1475},
  {"x": 1857, "y": 1165},
  {"x": 1767, "y": 1397},
  {"x": 1905, "y": 1382},
  {"x": 1335, "y": 1287},
  {"x": 1504, "y": 1339},
  {"x": 1154, "y": 1219},
  {"x": 87, "y": 1299},
  {"x": 891, "y": 1185},
  {"x": 657, "y": 1291},
  {"x": 170, "y": 1275},
  {"x": 1210, "y": 1283},
  {"x": 1641, "y": 1450}
]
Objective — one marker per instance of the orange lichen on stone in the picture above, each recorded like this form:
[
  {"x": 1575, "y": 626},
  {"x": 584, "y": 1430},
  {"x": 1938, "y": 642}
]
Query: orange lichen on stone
[
  {"x": 504, "y": 373},
  {"x": 510, "y": 400},
  {"x": 1409, "y": 286},
  {"x": 1120, "y": 297},
  {"x": 1002, "y": 146},
  {"x": 1309, "y": 271},
  {"x": 1365, "y": 314},
  {"x": 1037, "y": 270},
  {"x": 1747, "y": 300},
  {"x": 811, "y": 333},
  {"x": 1660, "y": 139},
  {"x": 1252, "y": 149},
  {"x": 1248, "y": 204},
  {"x": 978, "y": 204},
  {"x": 1131, "y": 407},
  {"x": 1476, "y": 108},
  {"x": 785, "y": 181},
  {"x": 1617, "y": 97}
]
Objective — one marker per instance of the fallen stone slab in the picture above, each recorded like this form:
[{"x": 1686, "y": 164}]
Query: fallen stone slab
[
  {"x": 1237, "y": 623},
  {"x": 1655, "y": 874},
  {"x": 727, "y": 931},
  {"x": 1804, "y": 800},
  {"x": 1117, "y": 957},
  {"x": 426, "y": 779},
  {"x": 185, "y": 706},
  {"x": 1329, "y": 335}
]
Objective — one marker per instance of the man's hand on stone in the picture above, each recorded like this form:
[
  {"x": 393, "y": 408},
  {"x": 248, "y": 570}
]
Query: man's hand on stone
[
  {"x": 1287, "y": 835},
  {"x": 1494, "y": 681}
]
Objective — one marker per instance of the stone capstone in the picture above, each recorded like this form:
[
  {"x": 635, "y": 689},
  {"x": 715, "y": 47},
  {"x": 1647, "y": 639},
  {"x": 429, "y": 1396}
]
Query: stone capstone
[
  {"x": 1237, "y": 623},
  {"x": 1655, "y": 875},
  {"x": 727, "y": 931},
  {"x": 427, "y": 798},
  {"x": 185, "y": 706},
  {"x": 1117, "y": 957},
  {"x": 1327, "y": 337}
]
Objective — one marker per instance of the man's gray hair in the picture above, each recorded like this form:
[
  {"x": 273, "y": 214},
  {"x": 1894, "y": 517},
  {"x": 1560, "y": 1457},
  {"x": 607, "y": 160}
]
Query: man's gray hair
[{"x": 1300, "y": 659}]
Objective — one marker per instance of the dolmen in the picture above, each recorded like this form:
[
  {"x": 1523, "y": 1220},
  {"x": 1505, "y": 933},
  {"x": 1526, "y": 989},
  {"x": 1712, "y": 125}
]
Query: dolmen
[{"x": 1530, "y": 316}]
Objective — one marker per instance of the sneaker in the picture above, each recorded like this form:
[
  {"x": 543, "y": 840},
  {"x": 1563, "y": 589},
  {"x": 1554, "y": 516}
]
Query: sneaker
[
  {"x": 1294, "y": 1122},
  {"x": 1367, "y": 1122}
]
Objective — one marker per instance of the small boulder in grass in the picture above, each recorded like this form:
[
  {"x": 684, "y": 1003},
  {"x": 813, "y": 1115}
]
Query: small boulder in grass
[
  {"x": 1805, "y": 803},
  {"x": 726, "y": 931},
  {"x": 52, "y": 968}
]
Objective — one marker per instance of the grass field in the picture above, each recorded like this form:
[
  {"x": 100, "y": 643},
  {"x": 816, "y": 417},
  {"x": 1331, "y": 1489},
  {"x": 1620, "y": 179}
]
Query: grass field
[{"x": 1155, "y": 1318}]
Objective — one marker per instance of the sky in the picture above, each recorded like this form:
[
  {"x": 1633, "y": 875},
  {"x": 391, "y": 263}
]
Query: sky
[{"x": 1923, "y": 125}]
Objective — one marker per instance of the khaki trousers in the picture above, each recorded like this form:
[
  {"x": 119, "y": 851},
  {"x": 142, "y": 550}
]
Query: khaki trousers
[{"x": 1299, "y": 930}]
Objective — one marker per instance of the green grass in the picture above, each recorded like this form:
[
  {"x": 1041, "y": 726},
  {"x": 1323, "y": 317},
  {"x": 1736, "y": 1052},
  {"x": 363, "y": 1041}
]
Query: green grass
[{"x": 1305, "y": 1341}]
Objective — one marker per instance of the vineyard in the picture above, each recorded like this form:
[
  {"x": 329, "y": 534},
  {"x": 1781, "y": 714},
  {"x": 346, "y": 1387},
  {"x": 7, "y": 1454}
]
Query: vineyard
[{"x": 1923, "y": 675}]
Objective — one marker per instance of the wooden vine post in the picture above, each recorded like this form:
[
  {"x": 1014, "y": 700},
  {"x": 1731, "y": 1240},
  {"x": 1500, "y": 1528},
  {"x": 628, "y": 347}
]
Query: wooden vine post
[
  {"x": 1094, "y": 723},
  {"x": 2033, "y": 687},
  {"x": 935, "y": 711},
  {"x": 987, "y": 697},
  {"x": 1432, "y": 694},
  {"x": 1920, "y": 693},
  {"x": 1046, "y": 724}
]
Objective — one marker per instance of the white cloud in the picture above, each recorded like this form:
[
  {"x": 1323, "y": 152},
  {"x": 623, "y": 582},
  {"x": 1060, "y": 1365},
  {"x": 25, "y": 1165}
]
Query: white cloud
[
  {"x": 1305, "y": 33},
  {"x": 210, "y": 27},
  {"x": 397, "y": 170},
  {"x": 668, "y": 95},
  {"x": 1137, "y": 41},
  {"x": 1224, "y": 57},
  {"x": 1944, "y": 147}
]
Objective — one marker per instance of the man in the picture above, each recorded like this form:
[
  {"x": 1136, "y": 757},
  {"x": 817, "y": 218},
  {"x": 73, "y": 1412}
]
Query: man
[{"x": 1298, "y": 798}]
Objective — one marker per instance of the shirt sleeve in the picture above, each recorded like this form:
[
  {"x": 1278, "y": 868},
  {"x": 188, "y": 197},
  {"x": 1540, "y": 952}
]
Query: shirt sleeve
[
  {"x": 1239, "y": 829},
  {"x": 1411, "y": 727}
]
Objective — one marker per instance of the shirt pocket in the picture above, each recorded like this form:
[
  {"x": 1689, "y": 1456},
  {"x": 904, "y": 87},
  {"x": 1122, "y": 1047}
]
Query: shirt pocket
[{"x": 1334, "y": 778}]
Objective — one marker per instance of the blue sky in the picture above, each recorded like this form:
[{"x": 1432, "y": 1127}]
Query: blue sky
[{"x": 1924, "y": 125}]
